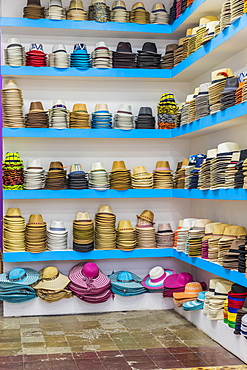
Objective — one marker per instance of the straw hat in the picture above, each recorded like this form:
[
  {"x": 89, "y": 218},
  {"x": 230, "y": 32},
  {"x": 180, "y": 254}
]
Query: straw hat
[
  {"x": 82, "y": 216},
  {"x": 23, "y": 276},
  {"x": 105, "y": 209},
  {"x": 125, "y": 226},
  {"x": 51, "y": 279},
  {"x": 13, "y": 212},
  {"x": 147, "y": 215},
  {"x": 36, "y": 220},
  {"x": 118, "y": 166}
]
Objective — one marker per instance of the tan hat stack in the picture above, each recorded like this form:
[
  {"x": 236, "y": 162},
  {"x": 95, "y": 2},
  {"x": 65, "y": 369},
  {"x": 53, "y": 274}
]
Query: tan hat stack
[
  {"x": 217, "y": 86},
  {"x": 167, "y": 60},
  {"x": 186, "y": 42},
  {"x": 120, "y": 177},
  {"x": 126, "y": 236},
  {"x": 37, "y": 117},
  {"x": 231, "y": 170},
  {"x": 225, "y": 15},
  {"x": 204, "y": 182},
  {"x": 13, "y": 231},
  {"x": 12, "y": 102},
  {"x": 105, "y": 228},
  {"x": 141, "y": 179},
  {"x": 244, "y": 169},
  {"x": 55, "y": 10},
  {"x": 192, "y": 107},
  {"x": 163, "y": 176},
  {"x": 208, "y": 234},
  {"x": 179, "y": 178},
  {"x": 213, "y": 247},
  {"x": 76, "y": 11},
  {"x": 119, "y": 12},
  {"x": 83, "y": 232},
  {"x": 33, "y": 10},
  {"x": 212, "y": 29},
  {"x": 178, "y": 53},
  {"x": 231, "y": 233},
  {"x": 145, "y": 231},
  {"x": 56, "y": 177},
  {"x": 79, "y": 117},
  {"x": 195, "y": 236},
  {"x": 216, "y": 301},
  {"x": 164, "y": 236},
  {"x": 138, "y": 14},
  {"x": 35, "y": 234}
]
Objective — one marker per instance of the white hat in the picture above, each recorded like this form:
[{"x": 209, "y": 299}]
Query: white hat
[
  {"x": 55, "y": 3},
  {"x": 204, "y": 87},
  {"x": 189, "y": 98},
  {"x": 58, "y": 102},
  {"x": 58, "y": 47},
  {"x": 97, "y": 166},
  {"x": 34, "y": 163},
  {"x": 228, "y": 147},
  {"x": 212, "y": 153},
  {"x": 187, "y": 223},
  {"x": 125, "y": 108},
  {"x": 10, "y": 84},
  {"x": 14, "y": 42},
  {"x": 100, "y": 44},
  {"x": 210, "y": 27},
  {"x": 57, "y": 227},
  {"x": 82, "y": 216}
]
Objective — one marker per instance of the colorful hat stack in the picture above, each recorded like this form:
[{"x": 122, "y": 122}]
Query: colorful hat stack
[
  {"x": 231, "y": 170},
  {"x": 101, "y": 118},
  {"x": 175, "y": 283},
  {"x": 119, "y": 12},
  {"x": 58, "y": 115},
  {"x": 80, "y": 58},
  {"x": 164, "y": 236},
  {"x": 192, "y": 171},
  {"x": 159, "y": 14},
  {"x": 52, "y": 285},
  {"x": 59, "y": 58},
  {"x": 202, "y": 101},
  {"x": 240, "y": 313},
  {"x": 183, "y": 232},
  {"x": 77, "y": 178},
  {"x": 36, "y": 57},
  {"x": 236, "y": 298},
  {"x": 56, "y": 177},
  {"x": 124, "y": 119},
  {"x": 105, "y": 229},
  {"x": 83, "y": 233},
  {"x": 145, "y": 119},
  {"x": 148, "y": 56},
  {"x": 196, "y": 304},
  {"x": 126, "y": 283},
  {"x": 145, "y": 231},
  {"x": 99, "y": 11},
  {"x": 138, "y": 14},
  {"x": 156, "y": 278},
  {"x": 34, "y": 175},
  {"x": 13, "y": 231},
  {"x": 76, "y": 11},
  {"x": 33, "y": 10},
  {"x": 15, "y": 55},
  {"x": 123, "y": 56},
  {"x": 55, "y": 10},
  {"x": 167, "y": 110},
  {"x": 89, "y": 283},
  {"x": 120, "y": 177},
  {"x": 213, "y": 242},
  {"x": 57, "y": 236},
  {"x": 126, "y": 236},
  {"x": 37, "y": 117},
  {"x": 194, "y": 240},
  {"x": 216, "y": 301},
  {"x": 101, "y": 56},
  {"x": 141, "y": 179},
  {"x": 12, "y": 102},
  {"x": 208, "y": 234},
  {"x": 167, "y": 61},
  {"x": 191, "y": 291},
  {"x": 35, "y": 234},
  {"x": 231, "y": 233},
  {"x": 79, "y": 117},
  {"x": 13, "y": 172},
  {"x": 98, "y": 177},
  {"x": 162, "y": 176}
]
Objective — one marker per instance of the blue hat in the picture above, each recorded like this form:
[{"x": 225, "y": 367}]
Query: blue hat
[
  {"x": 197, "y": 304},
  {"x": 16, "y": 293},
  {"x": 18, "y": 275},
  {"x": 126, "y": 283}
]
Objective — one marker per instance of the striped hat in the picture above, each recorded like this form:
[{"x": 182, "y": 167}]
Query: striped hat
[
  {"x": 191, "y": 291},
  {"x": 88, "y": 276}
]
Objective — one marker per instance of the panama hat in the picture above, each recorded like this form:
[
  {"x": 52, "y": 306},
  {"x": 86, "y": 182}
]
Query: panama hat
[
  {"x": 156, "y": 278},
  {"x": 227, "y": 147},
  {"x": 18, "y": 275},
  {"x": 118, "y": 166},
  {"x": 105, "y": 209},
  {"x": 147, "y": 215},
  {"x": 221, "y": 73},
  {"x": 207, "y": 19},
  {"x": 51, "y": 279}
]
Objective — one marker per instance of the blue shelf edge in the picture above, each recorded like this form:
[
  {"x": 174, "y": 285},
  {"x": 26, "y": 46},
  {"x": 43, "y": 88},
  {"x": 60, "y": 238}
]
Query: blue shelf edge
[{"x": 71, "y": 255}]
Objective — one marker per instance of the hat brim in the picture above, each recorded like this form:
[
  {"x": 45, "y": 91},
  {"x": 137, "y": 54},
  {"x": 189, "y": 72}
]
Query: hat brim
[{"x": 31, "y": 277}]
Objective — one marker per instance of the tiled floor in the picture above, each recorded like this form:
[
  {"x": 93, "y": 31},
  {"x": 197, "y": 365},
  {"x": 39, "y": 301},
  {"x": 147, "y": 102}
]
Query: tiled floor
[{"x": 143, "y": 340}]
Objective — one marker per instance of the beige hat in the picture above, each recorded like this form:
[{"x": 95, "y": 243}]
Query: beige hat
[
  {"x": 105, "y": 209},
  {"x": 147, "y": 215},
  {"x": 207, "y": 19},
  {"x": 13, "y": 212},
  {"x": 82, "y": 216},
  {"x": 118, "y": 166},
  {"x": 232, "y": 232},
  {"x": 221, "y": 73},
  {"x": 209, "y": 230},
  {"x": 125, "y": 226},
  {"x": 51, "y": 279}
]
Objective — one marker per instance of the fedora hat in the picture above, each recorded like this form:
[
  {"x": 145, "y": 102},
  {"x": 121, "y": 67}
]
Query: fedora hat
[
  {"x": 33, "y": 2},
  {"x": 78, "y": 107},
  {"x": 124, "y": 47},
  {"x": 101, "y": 107},
  {"x": 138, "y": 5},
  {"x": 51, "y": 279},
  {"x": 13, "y": 212},
  {"x": 12, "y": 42},
  {"x": 10, "y": 85},
  {"x": 101, "y": 44},
  {"x": 207, "y": 19},
  {"x": 178, "y": 280},
  {"x": 82, "y": 216},
  {"x": 105, "y": 209},
  {"x": 36, "y": 106},
  {"x": 232, "y": 232},
  {"x": 156, "y": 278},
  {"x": 97, "y": 166},
  {"x": 212, "y": 153},
  {"x": 118, "y": 166},
  {"x": 55, "y": 3},
  {"x": 191, "y": 290},
  {"x": 34, "y": 163},
  {"x": 125, "y": 226},
  {"x": 139, "y": 170},
  {"x": 162, "y": 166},
  {"x": 228, "y": 147},
  {"x": 221, "y": 73},
  {"x": 76, "y": 168},
  {"x": 164, "y": 228},
  {"x": 58, "y": 227},
  {"x": 147, "y": 215},
  {"x": 209, "y": 230},
  {"x": 76, "y": 4},
  {"x": 58, "y": 47},
  {"x": 20, "y": 276},
  {"x": 36, "y": 220}
]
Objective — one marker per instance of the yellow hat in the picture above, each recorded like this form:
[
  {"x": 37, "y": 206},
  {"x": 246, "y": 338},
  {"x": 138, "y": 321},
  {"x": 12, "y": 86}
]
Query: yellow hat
[
  {"x": 118, "y": 166},
  {"x": 13, "y": 212},
  {"x": 105, "y": 209},
  {"x": 79, "y": 108},
  {"x": 147, "y": 215},
  {"x": 207, "y": 19},
  {"x": 125, "y": 226}
]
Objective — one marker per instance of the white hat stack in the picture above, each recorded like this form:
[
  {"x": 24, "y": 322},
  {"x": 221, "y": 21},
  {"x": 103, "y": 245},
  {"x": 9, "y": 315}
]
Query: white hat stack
[
  {"x": 98, "y": 177},
  {"x": 243, "y": 328},
  {"x": 12, "y": 102},
  {"x": 159, "y": 14},
  {"x": 124, "y": 119},
  {"x": 58, "y": 115},
  {"x": 55, "y": 10},
  {"x": 34, "y": 175},
  {"x": 59, "y": 58},
  {"x": 15, "y": 54},
  {"x": 210, "y": 293},
  {"x": 225, "y": 15},
  {"x": 101, "y": 56},
  {"x": 237, "y": 9},
  {"x": 202, "y": 101},
  {"x": 216, "y": 301},
  {"x": 182, "y": 234},
  {"x": 57, "y": 236},
  {"x": 204, "y": 173}
]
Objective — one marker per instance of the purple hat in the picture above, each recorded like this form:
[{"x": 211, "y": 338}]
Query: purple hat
[
  {"x": 88, "y": 276},
  {"x": 178, "y": 280},
  {"x": 156, "y": 277}
]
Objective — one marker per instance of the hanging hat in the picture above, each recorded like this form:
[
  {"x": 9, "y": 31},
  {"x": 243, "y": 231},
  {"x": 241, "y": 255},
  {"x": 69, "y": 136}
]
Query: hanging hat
[
  {"x": 88, "y": 273},
  {"x": 178, "y": 280},
  {"x": 156, "y": 278},
  {"x": 51, "y": 279},
  {"x": 18, "y": 275},
  {"x": 191, "y": 291}
]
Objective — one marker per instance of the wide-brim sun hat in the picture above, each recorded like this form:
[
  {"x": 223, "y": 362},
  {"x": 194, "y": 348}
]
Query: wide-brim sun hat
[
  {"x": 22, "y": 276},
  {"x": 125, "y": 279},
  {"x": 178, "y": 280},
  {"x": 83, "y": 273},
  {"x": 156, "y": 277},
  {"x": 52, "y": 279}
]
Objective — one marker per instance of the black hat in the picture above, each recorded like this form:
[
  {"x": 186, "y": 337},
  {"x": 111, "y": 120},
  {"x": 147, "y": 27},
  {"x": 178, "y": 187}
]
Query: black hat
[
  {"x": 236, "y": 288},
  {"x": 33, "y": 2},
  {"x": 148, "y": 47},
  {"x": 124, "y": 47},
  {"x": 145, "y": 111}
]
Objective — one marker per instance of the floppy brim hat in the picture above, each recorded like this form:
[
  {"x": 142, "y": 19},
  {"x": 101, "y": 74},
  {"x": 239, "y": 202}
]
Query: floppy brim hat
[
  {"x": 76, "y": 276},
  {"x": 22, "y": 276},
  {"x": 153, "y": 284},
  {"x": 125, "y": 279},
  {"x": 59, "y": 282},
  {"x": 173, "y": 280}
]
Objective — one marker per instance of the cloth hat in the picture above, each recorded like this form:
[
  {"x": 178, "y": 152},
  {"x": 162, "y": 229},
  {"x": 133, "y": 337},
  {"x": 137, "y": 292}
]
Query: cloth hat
[
  {"x": 51, "y": 279},
  {"x": 178, "y": 280},
  {"x": 156, "y": 277},
  {"x": 191, "y": 291},
  {"x": 18, "y": 275}
]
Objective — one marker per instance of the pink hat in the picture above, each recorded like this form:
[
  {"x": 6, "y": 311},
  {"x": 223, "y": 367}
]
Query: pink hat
[
  {"x": 178, "y": 280},
  {"x": 88, "y": 276},
  {"x": 156, "y": 277}
]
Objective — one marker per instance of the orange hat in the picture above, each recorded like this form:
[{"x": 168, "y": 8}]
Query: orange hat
[{"x": 191, "y": 291}]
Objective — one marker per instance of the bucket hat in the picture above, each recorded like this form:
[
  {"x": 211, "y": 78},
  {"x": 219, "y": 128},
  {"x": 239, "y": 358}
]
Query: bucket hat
[{"x": 18, "y": 275}]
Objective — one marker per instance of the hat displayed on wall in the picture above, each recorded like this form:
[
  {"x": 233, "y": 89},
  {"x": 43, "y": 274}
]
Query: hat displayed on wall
[
  {"x": 101, "y": 56},
  {"x": 83, "y": 233},
  {"x": 126, "y": 283},
  {"x": 124, "y": 119},
  {"x": 155, "y": 280},
  {"x": 123, "y": 56},
  {"x": 59, "y": 58},
  {"x": 120, "y": 177}
]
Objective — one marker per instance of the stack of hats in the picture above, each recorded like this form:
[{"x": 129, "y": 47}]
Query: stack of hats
[
  {"x": 36, "y": 57},
  {"x": 156, "y": 278},
  {"x": 229, "y": 93},
  {"x": 33, "y": 10},
  {"x": 13, "y": 172},
  {"x": 13, "y": 231},
  {"x": 126, "y": 284},
  {"x": 202, "y": 101},
  {"x": 179, "y": 176},
  {"x": 57, "y": 236},
  {"x": 231, "y": 233},
  {"x": 58, "y": 115},
  {"x": 124, "y": 119},
  {"x": 213, "y": 241},
  {"x": 83, "y": 233},
  {"x": 167, "y": 61},
  {"x": 56, "y": 177},
  {"x": 15, "y": 55},
  {"x": 138, "y": 14},
  {"x": 12, "y": 102},
  {"x": 208, "y": 234},
  {"x": 194, "y": 241},
  {"x": 178, "y": 53},
  {"x": 162, "y": 176},
  {"x": 34, "y": 175},
  {"x": 123, "y": 56},
  {"x": 119, "y": 12},
  {"x": 236, "y": 298},
  {"x": 192, "y": 108},
  {"x": 145, "y": 231},
  {"x": 231, "y": 257},
  {"x": 225, "y": 15},
  {"x": 99, "y": 11},
  {"x": 126, "y": 236},
  {"x": 141, "y": 179},
  {"x": 35, "y": 234},
  {"x": 89, "y": 283},
  {"x": 101, "y": 56},
  {"x": 185, "y": 110},
  {"x": 159, "y": 14},
  {"x": 59, "y": 58},
  {"x": 148, "y": 56},
  {"x": 76, "y": 11},
  {"x": 52, "y": 285},
  {"x": 242, "y": 263},
  {"x": 216, "y": 301},
  {"x": 164, "y": 236},
  {"x": 105, "y": 229},
  {"x": 231, "y": 170},
  {"x": 216, "y": 88},
  {"x": 191, "y": 291},
  {"x": 192, "y": 171},
  {"x": 79, "y": 117},
  {"x": 101, "y": 118},
  {"x": 55, "y": 10},
  {"x": 167, "y": 110},
  {"x": 196, "y": 304},
  {"x": 77, "y": 178},
  {"x": 173, "y": 12},
  {"x": 120, "y": 177},
  {"x": 210, "y": 293},
  {"x": 36, "y": 117},
  {"x": 145, "y": 119},
  {"x": 212, "y": 29},
  {"x": 239, "y": 174},
  {"x": 183, "y": 232},
  {"x": 240, "y": 314},
  {"x": 98, "y": 177},
  {"x": 237, "y": 9},
  {"x": 175, "y": 283},
  {"x": 204, "y": 181},
  {"x": 80, "y": 58},
  {"x": 15, "y": 285},
  {"x": 239, "y": 92}
]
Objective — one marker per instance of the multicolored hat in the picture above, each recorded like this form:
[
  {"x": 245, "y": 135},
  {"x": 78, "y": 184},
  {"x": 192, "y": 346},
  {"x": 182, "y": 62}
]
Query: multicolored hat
[{"x": 156, "y": 278}]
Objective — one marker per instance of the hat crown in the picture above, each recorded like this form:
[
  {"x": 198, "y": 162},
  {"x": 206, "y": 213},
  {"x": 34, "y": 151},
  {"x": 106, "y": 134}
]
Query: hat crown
[
  {"x": 57, "y": 225},
  {"x": 223, "y": 287},
  {"x": 76, "y": 168},
  {"x": 34, "y": 163},
  {"x": 138, "y": 5},
  {"x": 16, "y": 274},
  {"x": 147, "y": 215},
  {"x": 234, "y": 230},
  {"x": 125, "y": 108},
  {"x": 36, "y": 106},
  {"x": 36, "y": 219},
  {"x": 79, "y": 107},
  {"x": 212, "y": 153},
  {"x": 164, "y": 227},
  {"x": 56, "y": 3},
  {"x": 100, "y": 44},
  {"x": 124, "y": 47},
  {"x": 105, "y": 209},
  {"x": 125, "y": 276},
  {"x": 10, "y": 84},
  {"x": 49, "y": 272},
  {"x": 184, "y": 277},
  {"x": 56, "y": 165},
  {"x": 139, "y": 169},
  {"x": 156, "y": 272},
  {"x": 90, "y": 270},
  {"x": 228, "y": 147},
  {"x": 96, "y": 166},
  {"x": 118, "y": 165},
  {"x": 58, "y": 102},
  {"x": 13, "y": 41},
  {"x": 13, "y": 212},
  {"x": 210, "y": 226},
  {"x": 124, "y": 224},
  {"x": 162, "y": 164},
  {"x": 201, "y": 222},
  {"x": 82, "y": 216},
  {"x": 221, "y": 73},
  {"x": 58, "y": 47},
  {"x": 219, "y": 228},
  {"x": 188, "y": 222},
  {"x": 207, "y": 19},
  {"x": 192, "y": 287},
  {"x": 100, "y": 107}
]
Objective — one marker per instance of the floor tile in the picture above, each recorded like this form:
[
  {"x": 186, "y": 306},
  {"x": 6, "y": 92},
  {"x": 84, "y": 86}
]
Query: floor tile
[
  {"x": 89, "y": 364},
  {"x": 179, "y": 349}
]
